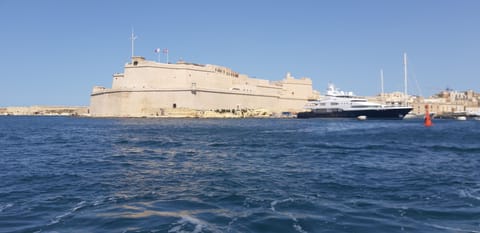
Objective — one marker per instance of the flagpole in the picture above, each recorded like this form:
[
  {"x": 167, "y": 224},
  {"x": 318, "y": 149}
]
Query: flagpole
[
  {"x": 157, "y": 51},
  {"x": 166, "y": 53}
]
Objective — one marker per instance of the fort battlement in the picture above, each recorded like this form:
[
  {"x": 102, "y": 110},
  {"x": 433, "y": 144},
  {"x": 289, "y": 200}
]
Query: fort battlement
[{"x": 145, "y": 87}]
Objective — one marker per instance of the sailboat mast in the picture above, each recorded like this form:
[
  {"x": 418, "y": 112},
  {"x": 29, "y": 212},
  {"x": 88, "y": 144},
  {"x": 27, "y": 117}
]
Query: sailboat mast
[
  {"x": 405, "y": 76},
  {"x": 381, "y": 81}
]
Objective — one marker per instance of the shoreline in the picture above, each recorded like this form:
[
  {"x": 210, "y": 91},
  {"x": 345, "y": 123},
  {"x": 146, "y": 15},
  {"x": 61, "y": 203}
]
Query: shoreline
[{"x": 83, "y": 111}]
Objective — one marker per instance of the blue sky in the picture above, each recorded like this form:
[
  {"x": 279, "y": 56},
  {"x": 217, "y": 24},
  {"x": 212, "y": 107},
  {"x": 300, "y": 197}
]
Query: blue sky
[{"x": 53, "y": 51}]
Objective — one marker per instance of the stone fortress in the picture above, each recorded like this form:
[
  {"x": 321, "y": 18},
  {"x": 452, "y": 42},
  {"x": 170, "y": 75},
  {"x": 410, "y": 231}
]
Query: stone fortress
[{"x": 153, "y": 89}]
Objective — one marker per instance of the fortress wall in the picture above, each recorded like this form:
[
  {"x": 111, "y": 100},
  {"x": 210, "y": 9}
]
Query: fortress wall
[
  {"x": 144, "y": 78},
  {"x": 209, "y": 80},
  {"x": 107, "y": 104},
  {"x": 297, "y": 91},
  {"x": 170, "y": 77},
  {"x": 298, "y": 88},
  {"x": 150, "y": 103},
  {"x": 119, "y": 81},
  {"x": 209, "y": 100},
  {"x": 269, "y": 90},
  {"x": 147, "y": 87},
  {"x": 291, "y": 105},
  {"x": 149, "y": 78}
]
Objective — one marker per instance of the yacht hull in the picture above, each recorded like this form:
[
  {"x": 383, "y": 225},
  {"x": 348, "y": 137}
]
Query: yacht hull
[{"x": 384, "y": 113}]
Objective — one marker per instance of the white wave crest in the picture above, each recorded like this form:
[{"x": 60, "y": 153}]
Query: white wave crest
[
  {"x": 6, "y": 206},
  {"x": 184, "y": 221},
  {"x": 68, "y": 213},
  {"x": 468, "y": 194},
  {"x": 275, "y": 202},
  {"x": 452, "y": 228},
  {"x": 299, "y": 228},
  {"x": 296, "y": 225}
]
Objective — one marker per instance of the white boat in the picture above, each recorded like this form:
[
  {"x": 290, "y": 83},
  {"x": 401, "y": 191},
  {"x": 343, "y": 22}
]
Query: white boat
[
  {"x": 412, "y": 115},
  {"x": 339, "y": 104},
  {"x": 362, "y": 118}
]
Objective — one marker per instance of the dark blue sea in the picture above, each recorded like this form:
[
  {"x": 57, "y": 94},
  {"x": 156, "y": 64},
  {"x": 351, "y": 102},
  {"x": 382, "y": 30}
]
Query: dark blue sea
[{"x": 61, "y": 174}]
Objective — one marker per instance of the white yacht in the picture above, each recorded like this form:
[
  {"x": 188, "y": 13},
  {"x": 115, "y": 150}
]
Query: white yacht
[{"x": 340, "y": 104}]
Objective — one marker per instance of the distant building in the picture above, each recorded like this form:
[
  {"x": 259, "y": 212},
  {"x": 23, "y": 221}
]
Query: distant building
[{"x": 448, "y": 102}]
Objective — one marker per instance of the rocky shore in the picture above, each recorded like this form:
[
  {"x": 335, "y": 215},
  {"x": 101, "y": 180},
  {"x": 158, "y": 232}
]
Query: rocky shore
[
  {"x": 162, "y": 113},
  {"x": 44, "y": 111}
]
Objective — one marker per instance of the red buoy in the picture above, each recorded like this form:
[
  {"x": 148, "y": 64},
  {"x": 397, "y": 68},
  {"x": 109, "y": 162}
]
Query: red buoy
[{"x": 428, "y": 121}]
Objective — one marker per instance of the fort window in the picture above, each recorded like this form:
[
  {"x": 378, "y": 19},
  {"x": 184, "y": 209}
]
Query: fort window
[
  {"x": 174, "y": 105},
  {"x": 135, "y": 63}
]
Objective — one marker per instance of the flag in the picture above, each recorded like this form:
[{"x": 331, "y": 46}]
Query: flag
[
  {"x": 165, "y": 50},
  {"x": 157, "y": 50}
]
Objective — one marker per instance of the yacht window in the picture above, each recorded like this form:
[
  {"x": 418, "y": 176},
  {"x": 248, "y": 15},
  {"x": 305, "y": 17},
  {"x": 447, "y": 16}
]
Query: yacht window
[
  {"x": 359, "y": 106},
  {"x": 365, "y": 106},
  {"x": 359, "y": 100},
  {"x": 333, "y": 103}
]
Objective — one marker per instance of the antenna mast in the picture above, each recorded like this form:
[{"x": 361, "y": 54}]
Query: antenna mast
[{"x": 133, "y": 38}]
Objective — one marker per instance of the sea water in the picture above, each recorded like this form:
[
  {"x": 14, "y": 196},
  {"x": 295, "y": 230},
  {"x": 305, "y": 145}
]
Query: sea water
[{"x": 60, "y": 174}]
